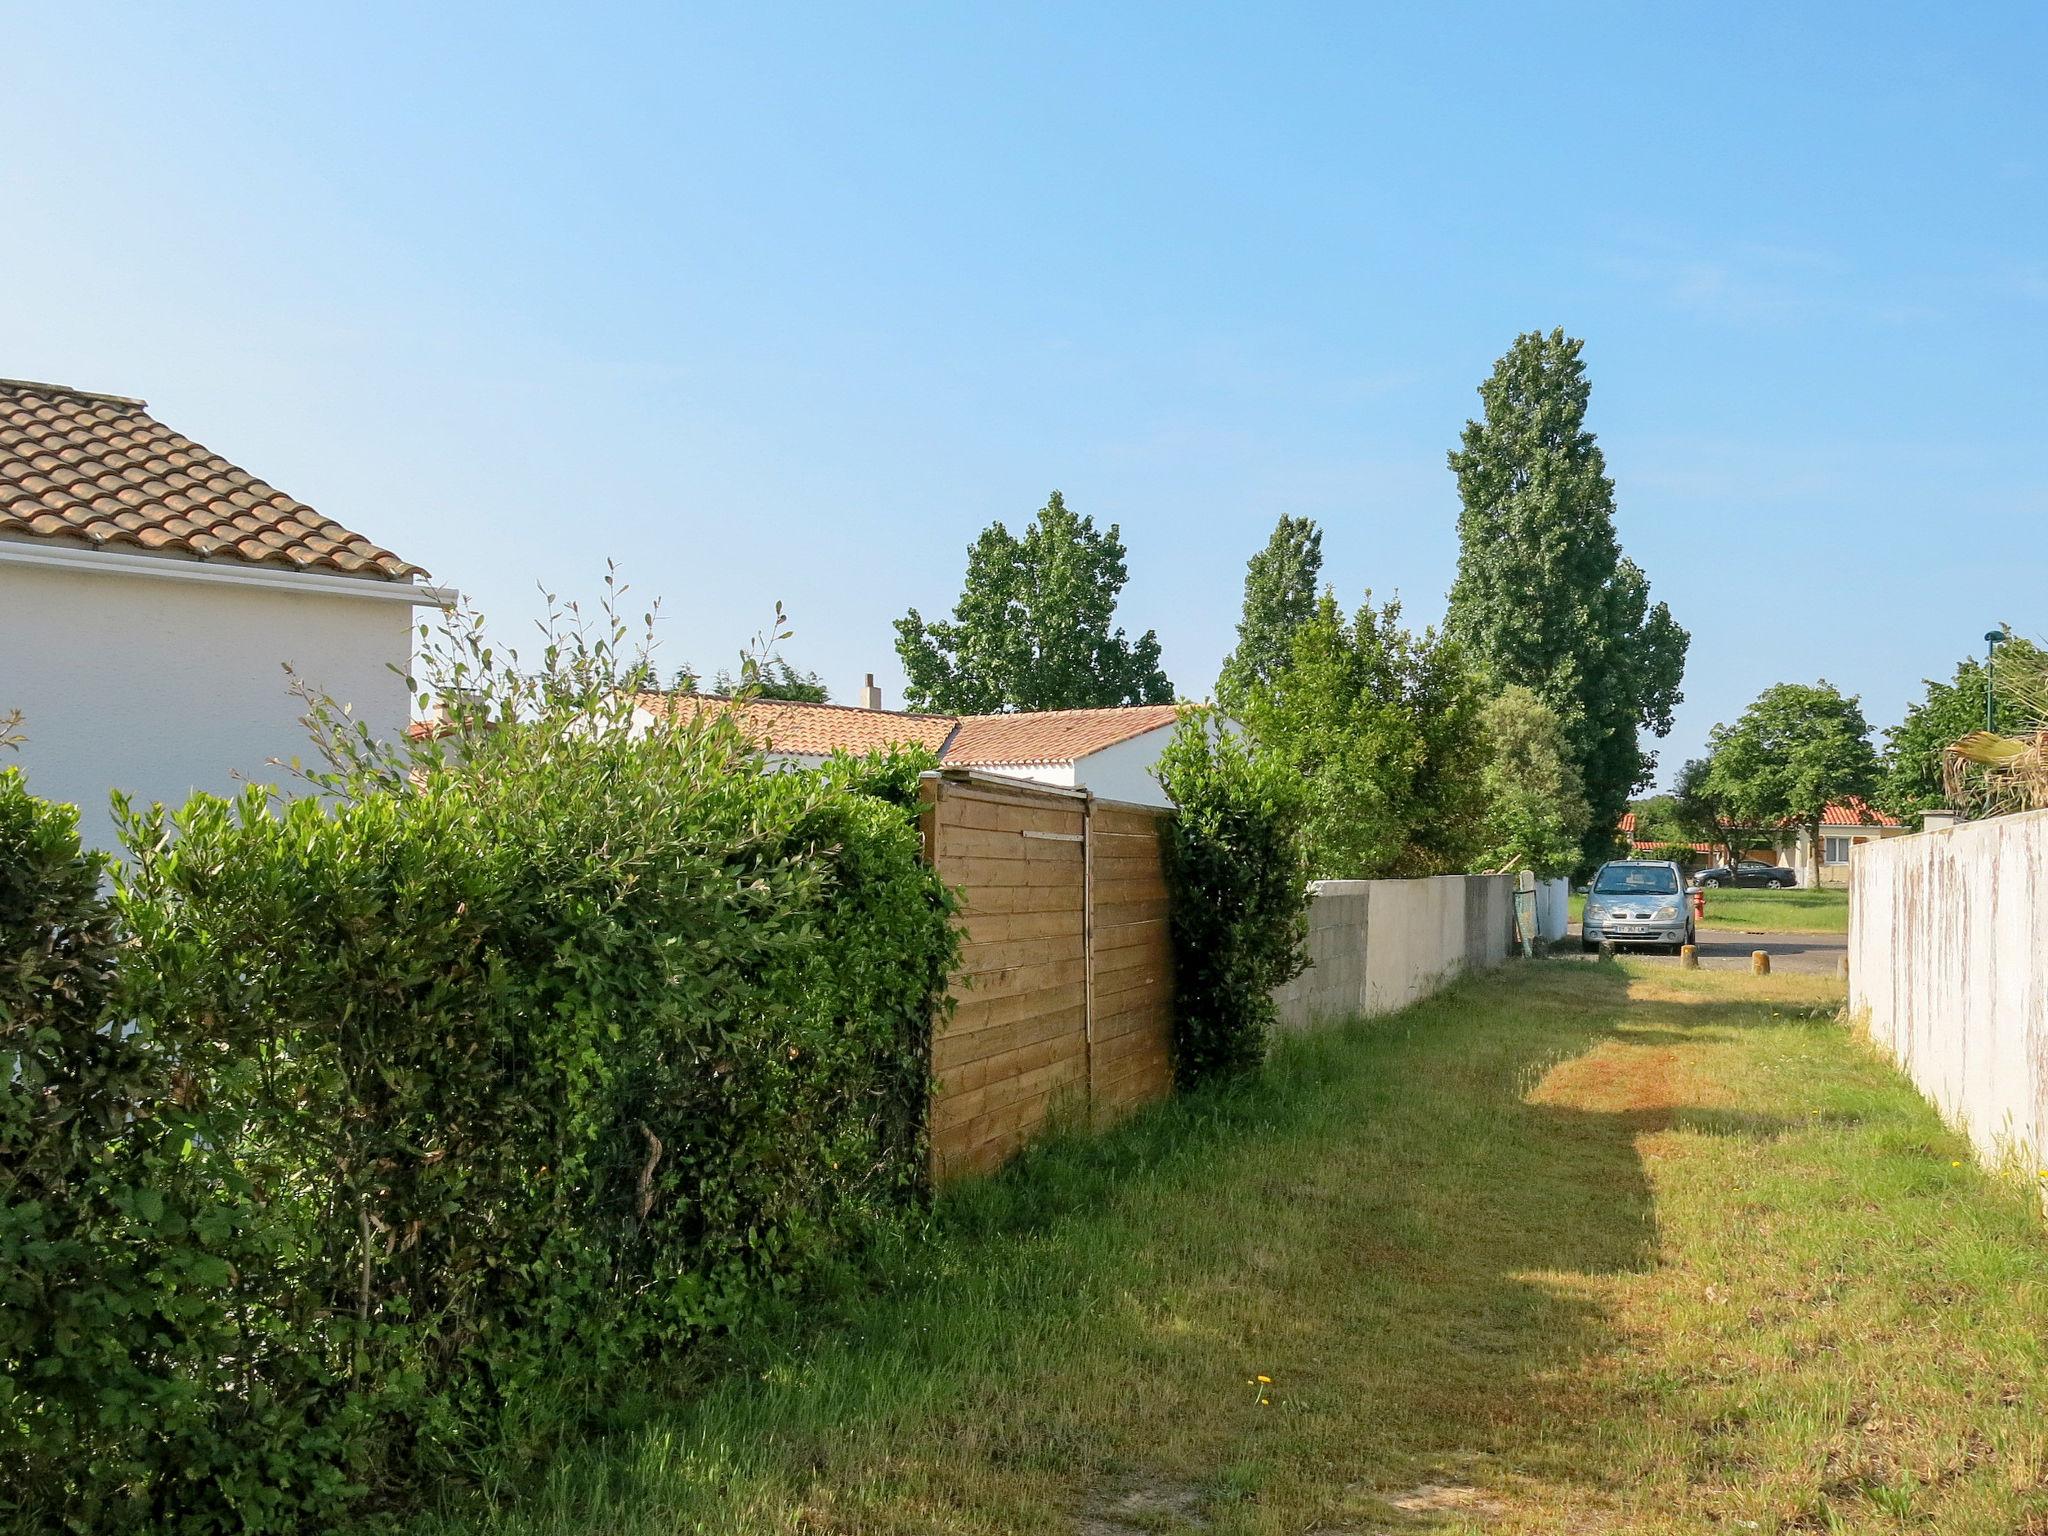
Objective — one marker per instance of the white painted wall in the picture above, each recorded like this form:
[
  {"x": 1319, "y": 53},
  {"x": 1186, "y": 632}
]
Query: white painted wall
[
  {"x": 1124, "y": 771},
  {"x": 1948, "y": 954},
  {"x": 1378, "y": 945},
  {"x": 162, "y": 686}
]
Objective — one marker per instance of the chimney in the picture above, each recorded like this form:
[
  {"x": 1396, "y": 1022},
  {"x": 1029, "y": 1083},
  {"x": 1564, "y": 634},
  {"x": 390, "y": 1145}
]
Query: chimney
[
  {"x": 870, "y": 695},
  {"x": 1937, "y": 821}
]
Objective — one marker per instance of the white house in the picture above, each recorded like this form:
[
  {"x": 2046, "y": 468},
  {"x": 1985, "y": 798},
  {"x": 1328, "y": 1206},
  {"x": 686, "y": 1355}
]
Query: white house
[
  {"x": 151, "y": 593},
  {"x": 1108, "y": 751}
]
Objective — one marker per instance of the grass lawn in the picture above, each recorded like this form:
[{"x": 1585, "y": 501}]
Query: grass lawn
[
  {"x": 1798, "y": 911},
  {"x": 1574, "y": 1247}
]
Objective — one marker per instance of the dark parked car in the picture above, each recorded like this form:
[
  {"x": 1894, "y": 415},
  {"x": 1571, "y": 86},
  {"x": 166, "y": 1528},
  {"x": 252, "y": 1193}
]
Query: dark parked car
[{"x": 1747, "y": 872}]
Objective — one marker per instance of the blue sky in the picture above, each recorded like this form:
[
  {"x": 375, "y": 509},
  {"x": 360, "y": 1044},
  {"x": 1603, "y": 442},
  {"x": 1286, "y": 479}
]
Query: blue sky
[{"x": 779, "y": 304}]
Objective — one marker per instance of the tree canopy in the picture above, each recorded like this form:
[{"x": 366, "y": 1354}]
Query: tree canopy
[
  {"x": 1796, "y": 749},
  {"x": 1536, "y": 802},
  {"x": 1382, "y": 726},
  {"x": 1544, "y": 596},
  {"x": 1913, "y": 748},
  {"x": 1279, "y": 597},
  {"x": 1034, "y": 627}
]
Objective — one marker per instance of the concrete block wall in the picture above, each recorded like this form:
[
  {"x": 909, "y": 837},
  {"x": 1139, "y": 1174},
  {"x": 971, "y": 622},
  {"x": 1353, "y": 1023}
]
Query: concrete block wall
[
  {"x": 1378, "y": 945},
  {"x": 1948, "y": 956}
]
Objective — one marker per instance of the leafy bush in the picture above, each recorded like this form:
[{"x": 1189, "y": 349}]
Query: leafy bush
[
  {"x": 1238, "y": 877},
  {"x": 536, "y": 1050}
]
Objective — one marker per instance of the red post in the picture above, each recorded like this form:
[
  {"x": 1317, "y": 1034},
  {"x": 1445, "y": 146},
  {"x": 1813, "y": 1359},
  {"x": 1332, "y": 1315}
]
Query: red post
[{"x": 1699, "y": 906}]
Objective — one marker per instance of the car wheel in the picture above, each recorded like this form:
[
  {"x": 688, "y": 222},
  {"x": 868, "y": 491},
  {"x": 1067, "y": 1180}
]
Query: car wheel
[
  {"x": 1711, "y": 882},
  {"x": 1588, "y": 945}
]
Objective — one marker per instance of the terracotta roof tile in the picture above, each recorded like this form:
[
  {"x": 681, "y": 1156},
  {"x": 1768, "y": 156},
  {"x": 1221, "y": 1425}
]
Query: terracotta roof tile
[
  {"x": 1050, "y": 736},
  {"x": 99, "y": 470},
  {"x": 813, "y": 729},
  {"x": 1855, "y": 811},
  {"x": 973, "y": 741}
]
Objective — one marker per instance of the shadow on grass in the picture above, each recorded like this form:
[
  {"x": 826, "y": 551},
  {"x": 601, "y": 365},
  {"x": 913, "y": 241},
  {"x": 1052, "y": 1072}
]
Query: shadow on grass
[{"x": 1382, "y": 1221}]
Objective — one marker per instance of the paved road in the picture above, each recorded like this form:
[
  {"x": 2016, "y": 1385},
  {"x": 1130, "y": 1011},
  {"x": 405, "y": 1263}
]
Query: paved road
[{"x": 1729, "y": 949}]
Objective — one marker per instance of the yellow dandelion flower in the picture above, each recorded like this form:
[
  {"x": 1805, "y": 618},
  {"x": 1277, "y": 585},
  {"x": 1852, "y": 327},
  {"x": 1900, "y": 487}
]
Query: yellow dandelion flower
[{"x": 1265, "y": 1381}]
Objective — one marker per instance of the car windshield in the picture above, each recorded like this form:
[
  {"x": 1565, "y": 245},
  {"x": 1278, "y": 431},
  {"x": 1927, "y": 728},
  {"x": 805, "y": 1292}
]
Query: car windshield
[{"x": 1635, "y": 880}]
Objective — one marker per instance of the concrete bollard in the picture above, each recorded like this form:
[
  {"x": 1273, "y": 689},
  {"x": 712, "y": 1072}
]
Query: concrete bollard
[
  {"x": 1607, "y": 949},
  {"x": 1760, "y": 962},
  {"x": 1841, "y": 968},
  {"x": 1689, "y": 957}
]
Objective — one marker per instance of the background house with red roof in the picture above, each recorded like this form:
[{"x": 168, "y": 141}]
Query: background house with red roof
[
  {"x": 1843, "y": 825},
  {"x": 151, "y": 593},
  {"x": 1110, "y": 752}
]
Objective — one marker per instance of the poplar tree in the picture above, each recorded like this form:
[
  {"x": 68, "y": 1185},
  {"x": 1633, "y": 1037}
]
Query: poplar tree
[
  {"x": 1544, "y": 596},
  {"x": 1279, "y": 597},
  {"x": 1035, "y": 626}
]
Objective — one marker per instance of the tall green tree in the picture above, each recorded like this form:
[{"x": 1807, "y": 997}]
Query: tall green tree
[
  {"x": 1911, "y": 782},
  {"x": 1704, "y": 815},
  {"x": 1034, "y": 627},
  {"x": 1799, "y": 747},
  {"x": 1536, "y": 802},
  {"x": 1279, "y": 597},
  {"x": 1382, "y": 727},
  {"x": 1544, "y": 596}
]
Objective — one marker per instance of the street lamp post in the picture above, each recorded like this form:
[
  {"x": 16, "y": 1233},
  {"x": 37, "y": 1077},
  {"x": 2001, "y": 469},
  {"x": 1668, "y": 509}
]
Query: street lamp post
[{"x": 1993, "y": 639}]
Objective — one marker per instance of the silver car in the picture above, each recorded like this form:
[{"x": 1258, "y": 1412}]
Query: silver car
[{"x": 1637, "y": 901}]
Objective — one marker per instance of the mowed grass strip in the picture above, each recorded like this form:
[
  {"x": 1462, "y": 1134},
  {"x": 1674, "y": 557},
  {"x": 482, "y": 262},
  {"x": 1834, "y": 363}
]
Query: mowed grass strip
[
  {"x": 1797, "y": 911},
  {"x": 1574, "y": 1246}
]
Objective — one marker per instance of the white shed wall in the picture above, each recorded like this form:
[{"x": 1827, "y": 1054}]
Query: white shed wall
[{"x": 161, "y": 687}]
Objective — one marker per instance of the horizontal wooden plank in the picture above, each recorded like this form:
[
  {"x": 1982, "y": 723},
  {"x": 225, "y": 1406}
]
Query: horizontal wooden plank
[
  {"x": 1002, "y": 1092},
  {"x": 1018, "y": 980},
  {"x": 994, "y": 900},
  {"x": 1115, "y": 819},
  {"x": 1007, "y": 927},
  {"x": 992, "y": 816},
  {"x": 953, "y": 1049},
  {"x": 1142, "y": 986},
  {"x": 1114, "y": 892},
  {"x": 1155, "y": 1019},
  {"x": 1113, "y": 1056},
  {"x": 1114, "y": 914},
  {"x": 974, "y": 843},
  {"x": 992, "y": 1012},
  {"x": 1003, "y": 954},
  {"x": 1025, "y": 1059},
  {"x": 1131, "y": 935},
  {"x": 1049, "y": 797},
  {"x": 976, "y": 873},
  {"x": 1112, "y": 965}
]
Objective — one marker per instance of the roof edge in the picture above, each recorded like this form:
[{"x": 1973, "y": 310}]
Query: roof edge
[{"x": 43, "y": 386}]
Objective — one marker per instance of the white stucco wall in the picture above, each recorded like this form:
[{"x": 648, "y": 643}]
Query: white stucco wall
[
  {"x": 1948, "y": 957},
  {"x": 1124, "y": 771},
  {"x": 162, "y": 686}
]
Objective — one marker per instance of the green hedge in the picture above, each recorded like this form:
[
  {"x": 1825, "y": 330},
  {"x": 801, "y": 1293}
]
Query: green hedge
[
  {"x": 1237, "y": 873},
  {"x": 405, "y": 1122}
]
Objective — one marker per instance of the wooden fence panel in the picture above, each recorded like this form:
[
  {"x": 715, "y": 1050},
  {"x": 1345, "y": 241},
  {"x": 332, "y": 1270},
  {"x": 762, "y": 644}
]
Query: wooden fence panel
[{"x": 1064, "y": 993}]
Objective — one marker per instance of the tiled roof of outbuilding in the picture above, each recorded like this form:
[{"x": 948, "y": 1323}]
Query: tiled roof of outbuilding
[
  {"x": 1050, "y": 736},
  {"x": 99, "y": 471},
  {"x": 812, "y": 730}
]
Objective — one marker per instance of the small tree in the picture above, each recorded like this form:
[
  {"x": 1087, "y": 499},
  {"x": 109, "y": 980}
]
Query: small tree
[
  {"x": 1033, "y": 627},
  {"x": 1239, "y": 885},
  {"x": 1702, "y": 813},
  {"x": 1536, "y": 802},
  {"x": 1382, "y": 726},
  {"x": 1795, "y": 751},
  {"x": 1279, "y": 598}
]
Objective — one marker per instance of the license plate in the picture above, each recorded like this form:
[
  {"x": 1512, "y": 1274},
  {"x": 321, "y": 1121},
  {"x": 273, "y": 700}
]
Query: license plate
[{"x": 1629, "y": 930}]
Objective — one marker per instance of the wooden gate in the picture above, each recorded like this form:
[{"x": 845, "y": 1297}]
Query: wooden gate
[{"x": 1065, "y": 988}]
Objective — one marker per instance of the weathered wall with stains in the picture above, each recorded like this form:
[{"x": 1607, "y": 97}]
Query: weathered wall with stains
[
  {"x": 1378, "y": 945},
  {"x": 1948, "y": 953}
]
